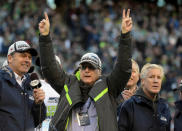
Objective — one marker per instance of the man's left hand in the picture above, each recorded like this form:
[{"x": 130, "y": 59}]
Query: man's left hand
[
  {"x": 39, "y": 95},
  {"x": 126, "y": 24}
]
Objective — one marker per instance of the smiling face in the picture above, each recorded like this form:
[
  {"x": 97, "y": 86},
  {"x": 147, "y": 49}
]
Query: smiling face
[
  {"x": 89, "y": 74},
  {"x": 151, "y": 84},
  {"x": 20, "y": 62}
]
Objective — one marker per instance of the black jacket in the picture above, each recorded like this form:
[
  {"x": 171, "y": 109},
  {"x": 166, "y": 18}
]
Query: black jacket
[
  {"x": 119, "y": 102},
  {"x": 178, "y": 116},
  {"x": 18, "y": 112},
  {"x": 141, "y": 114},
  {"x": 103, "y": 93}
]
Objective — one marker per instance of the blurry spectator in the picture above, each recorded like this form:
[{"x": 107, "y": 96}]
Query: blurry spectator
[
  {"x": 146, "y": 110},
  {"x": 131, "y": 86}
]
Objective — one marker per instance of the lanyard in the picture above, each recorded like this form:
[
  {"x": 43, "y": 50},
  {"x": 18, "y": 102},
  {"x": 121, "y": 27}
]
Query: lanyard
[{"x": 86, "y": 105}]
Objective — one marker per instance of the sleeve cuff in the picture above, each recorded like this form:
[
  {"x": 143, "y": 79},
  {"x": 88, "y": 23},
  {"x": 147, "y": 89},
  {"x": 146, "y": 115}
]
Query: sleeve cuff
[
  {"x": 44, "y": 38},
  {"x": 126, "y": 36}
]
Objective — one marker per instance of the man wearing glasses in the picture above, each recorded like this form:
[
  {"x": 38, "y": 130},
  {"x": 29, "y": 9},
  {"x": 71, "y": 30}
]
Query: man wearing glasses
[{"x": 87, "y": 99}]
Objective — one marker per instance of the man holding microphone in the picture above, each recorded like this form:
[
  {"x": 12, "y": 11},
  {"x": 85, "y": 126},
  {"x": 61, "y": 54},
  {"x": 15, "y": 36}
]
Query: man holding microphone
[{"x": 21, "y": 106}]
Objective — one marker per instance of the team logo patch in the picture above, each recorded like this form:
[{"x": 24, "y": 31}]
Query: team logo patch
[
  {"x": 163, "y": 118},
  {"x": 31, "y": 97}
]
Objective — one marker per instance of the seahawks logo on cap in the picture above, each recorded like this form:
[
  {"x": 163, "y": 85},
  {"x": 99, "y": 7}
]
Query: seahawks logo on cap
[
  {"x": 87, "y": 58},
  {"x": 22, "y": 46}
]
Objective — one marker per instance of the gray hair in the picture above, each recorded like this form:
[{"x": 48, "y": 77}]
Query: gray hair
[
  {"x": 5, "y": 63},
  {"x": 147, "y": 67},
  {"x": 137, "y": 66}
]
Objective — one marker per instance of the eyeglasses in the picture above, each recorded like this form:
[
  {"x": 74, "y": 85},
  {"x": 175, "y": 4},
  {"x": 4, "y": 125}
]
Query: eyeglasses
[{"x": 85, "y": 66}]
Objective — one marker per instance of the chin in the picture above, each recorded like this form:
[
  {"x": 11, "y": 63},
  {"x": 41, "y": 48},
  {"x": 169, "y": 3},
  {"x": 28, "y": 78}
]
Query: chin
[
  {"x": 25, "y": 71},
  {"x": 155, "y": 91},
  {"x": 87, "y": 82},
  {"x": 129, "y": 84}
]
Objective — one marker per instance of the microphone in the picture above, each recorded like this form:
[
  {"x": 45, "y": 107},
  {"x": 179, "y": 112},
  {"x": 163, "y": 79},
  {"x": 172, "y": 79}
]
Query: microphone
[
  {"x": 35, "y": 82},
  {"x": 31, "y": 69}
]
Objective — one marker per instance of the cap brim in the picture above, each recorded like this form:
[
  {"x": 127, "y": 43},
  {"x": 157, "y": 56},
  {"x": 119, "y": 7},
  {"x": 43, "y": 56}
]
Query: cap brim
[
  {"x": 93, "y": 64},
  {"x": 32, "y": 51}
]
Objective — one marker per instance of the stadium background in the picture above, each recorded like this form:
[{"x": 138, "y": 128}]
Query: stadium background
[{"x": 79, "y": 26}]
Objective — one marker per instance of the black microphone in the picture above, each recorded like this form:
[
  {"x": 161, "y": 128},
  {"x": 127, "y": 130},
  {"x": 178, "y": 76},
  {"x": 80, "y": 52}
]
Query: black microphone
[
  {"x": 35, "y": 82},
  {"x": 31, "y": 69}
]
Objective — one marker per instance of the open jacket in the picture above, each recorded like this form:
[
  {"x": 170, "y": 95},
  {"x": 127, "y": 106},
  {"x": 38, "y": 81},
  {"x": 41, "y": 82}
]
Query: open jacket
[
  {"x": 103, "y": 93},
  {"x": 18, "y": 112},
  {"x": 142, "y": 114}
]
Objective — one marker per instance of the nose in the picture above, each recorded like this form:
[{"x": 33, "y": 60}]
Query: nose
[
  {"x": 156, "y": 80},
  {"x": 87, "y": 69}
]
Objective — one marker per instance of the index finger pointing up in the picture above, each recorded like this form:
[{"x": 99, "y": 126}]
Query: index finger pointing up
[{"x": 46, "y": 16}]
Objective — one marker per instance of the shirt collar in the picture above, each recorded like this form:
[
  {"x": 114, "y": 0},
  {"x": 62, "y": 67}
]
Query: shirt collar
[{"x": 18, "y": 78}]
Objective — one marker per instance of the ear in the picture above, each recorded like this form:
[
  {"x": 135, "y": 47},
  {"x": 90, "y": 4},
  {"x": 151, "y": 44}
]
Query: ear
[
  {"x": 100, "y": 72},
  {"x": 9, "y": 58},
  {"x": 138, "y": 76},
  {"x": 142, "y": 82}
]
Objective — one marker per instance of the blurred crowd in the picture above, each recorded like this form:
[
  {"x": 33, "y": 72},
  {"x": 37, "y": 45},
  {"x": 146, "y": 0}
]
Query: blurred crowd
[{"x": 94, "y": 26}]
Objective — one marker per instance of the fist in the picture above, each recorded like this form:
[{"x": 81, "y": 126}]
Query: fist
[{"x": 39, "y": 95}]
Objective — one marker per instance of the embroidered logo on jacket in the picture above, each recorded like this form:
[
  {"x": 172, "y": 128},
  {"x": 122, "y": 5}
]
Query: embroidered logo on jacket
[
  {"x": 31, "y": 97},
  {"x": 163, "y": 118}
]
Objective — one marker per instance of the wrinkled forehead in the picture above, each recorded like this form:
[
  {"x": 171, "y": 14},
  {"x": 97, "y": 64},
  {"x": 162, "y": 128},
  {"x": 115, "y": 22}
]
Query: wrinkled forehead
[{"x": 154, "y": 71}]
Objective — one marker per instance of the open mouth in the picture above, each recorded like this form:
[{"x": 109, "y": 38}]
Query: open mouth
[
  {"x": 87, "y": 76},
  {"x": 26, "y": 66}
]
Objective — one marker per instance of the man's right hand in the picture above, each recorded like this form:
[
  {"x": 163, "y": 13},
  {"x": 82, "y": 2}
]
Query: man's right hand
[
  {"x": 44, "y": 25},
  {"x": 126, "y": 24},
  {"x": 126, "y": 94}
]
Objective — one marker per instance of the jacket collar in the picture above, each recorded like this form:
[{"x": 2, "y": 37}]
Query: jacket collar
[
  {"x": 141, "y": 93},
  {"x": 8, "y": 74},
  {"x": 97, "y": 88},
  {"x": 84, "y": 90}
]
